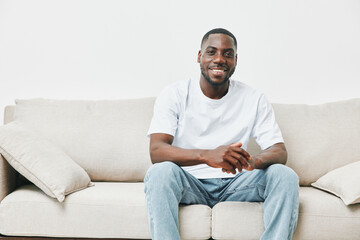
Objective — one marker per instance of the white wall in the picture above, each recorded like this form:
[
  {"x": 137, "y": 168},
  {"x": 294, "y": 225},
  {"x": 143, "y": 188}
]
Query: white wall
[{"x": 294, "y": 51}]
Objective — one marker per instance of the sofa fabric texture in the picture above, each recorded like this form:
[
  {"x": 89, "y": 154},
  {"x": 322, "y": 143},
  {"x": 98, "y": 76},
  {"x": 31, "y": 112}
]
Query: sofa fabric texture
[{"x": 108, "y": 140}]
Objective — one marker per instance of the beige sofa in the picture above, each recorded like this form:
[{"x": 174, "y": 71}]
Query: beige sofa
[{"x": 108, "y": 140}]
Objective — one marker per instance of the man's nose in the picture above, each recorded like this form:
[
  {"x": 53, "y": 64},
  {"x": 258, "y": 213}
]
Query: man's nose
[{"x": 219, "y": 58}]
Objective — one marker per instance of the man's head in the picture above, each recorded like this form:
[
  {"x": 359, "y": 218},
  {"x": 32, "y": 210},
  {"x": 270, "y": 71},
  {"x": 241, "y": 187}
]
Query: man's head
[
  {"x": 217, "y": 56},
  {"x": 218, "y": 31}
]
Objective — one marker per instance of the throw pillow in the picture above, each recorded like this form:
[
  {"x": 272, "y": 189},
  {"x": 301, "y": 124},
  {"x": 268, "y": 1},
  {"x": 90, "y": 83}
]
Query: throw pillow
[
  {"x": 41, "y": 161},
  {"x": 344, "y": 182}
]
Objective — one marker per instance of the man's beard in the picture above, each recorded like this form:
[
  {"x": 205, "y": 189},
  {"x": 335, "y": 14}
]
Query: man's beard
[{"x": 216, "y": 84}]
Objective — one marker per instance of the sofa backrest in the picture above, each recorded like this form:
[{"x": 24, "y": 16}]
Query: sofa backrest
[
  {"x": 108, "y": 138},
  {"x": 320, "y": 138}
]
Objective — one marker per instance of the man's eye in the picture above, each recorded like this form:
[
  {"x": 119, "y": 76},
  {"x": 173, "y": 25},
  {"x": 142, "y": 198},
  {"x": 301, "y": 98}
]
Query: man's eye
[
  {"x": 229, "y": 54},
  {"x": 210, "y": 52}
]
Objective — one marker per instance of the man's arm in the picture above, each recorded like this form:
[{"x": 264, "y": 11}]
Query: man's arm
[
  {"x": 275, "y": 154},
  {"x": 227, "y": 157}
]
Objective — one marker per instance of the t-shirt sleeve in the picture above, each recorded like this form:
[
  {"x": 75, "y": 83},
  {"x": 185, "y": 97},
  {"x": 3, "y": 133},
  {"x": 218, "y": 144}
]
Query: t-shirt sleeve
[
  {"x": 166, "y": 113},
  {"x": 266, "y": 131}
]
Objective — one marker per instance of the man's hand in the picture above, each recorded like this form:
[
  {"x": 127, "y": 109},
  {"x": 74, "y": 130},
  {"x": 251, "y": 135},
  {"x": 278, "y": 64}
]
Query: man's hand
[{"x": 229, "y": 158}]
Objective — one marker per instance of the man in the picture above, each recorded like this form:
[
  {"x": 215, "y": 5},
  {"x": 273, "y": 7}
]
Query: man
[{"x": 198, "y": 136}]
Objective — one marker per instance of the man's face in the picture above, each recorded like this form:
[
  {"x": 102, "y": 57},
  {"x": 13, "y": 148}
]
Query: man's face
[{"x": 217, "y": 59}]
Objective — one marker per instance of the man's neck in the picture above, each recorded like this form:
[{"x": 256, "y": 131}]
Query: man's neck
[{"x": 211, "y": 91}]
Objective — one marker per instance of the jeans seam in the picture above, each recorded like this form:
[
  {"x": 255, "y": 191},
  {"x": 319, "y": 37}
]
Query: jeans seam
[
  {"x": 261, "y": 193},
  {"x": 240, "y": 189},
  {"x": 292, "y": 223},
  {"x": 190, "y": 190},
  {"x": 151, "y": 218}
]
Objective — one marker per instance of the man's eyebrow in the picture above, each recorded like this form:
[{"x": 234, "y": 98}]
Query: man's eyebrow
[
  {"x": 225, "y": 50},
  {"x": 210, "y": 47},
  {"x": 229, "y": 49}
]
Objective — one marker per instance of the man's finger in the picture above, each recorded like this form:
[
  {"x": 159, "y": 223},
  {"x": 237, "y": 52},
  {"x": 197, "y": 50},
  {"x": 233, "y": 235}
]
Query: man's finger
[
  {"x": 242, "y": 152},
  {"x": 238, "y": 144},
  {"x": 234, "y": 162},
  {"x": 244, "y": 162},
  {"x": 241, "y": 161},
  {"x": 228, "y": 167}
]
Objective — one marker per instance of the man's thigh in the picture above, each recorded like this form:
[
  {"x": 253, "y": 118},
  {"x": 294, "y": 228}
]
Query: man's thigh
[
  {"x": 247, "y": 186},
  {"x": 255, "y": 186},
  {"x": 174, "y": 180},
  {"x": 195, "y": 191}
]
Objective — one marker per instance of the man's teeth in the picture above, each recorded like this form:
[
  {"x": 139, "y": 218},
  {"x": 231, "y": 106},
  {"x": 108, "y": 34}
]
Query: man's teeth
[{"x": 218, "y": 70}]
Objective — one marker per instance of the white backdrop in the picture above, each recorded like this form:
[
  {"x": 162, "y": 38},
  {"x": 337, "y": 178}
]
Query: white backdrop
[{"x": 294, "y": 51}]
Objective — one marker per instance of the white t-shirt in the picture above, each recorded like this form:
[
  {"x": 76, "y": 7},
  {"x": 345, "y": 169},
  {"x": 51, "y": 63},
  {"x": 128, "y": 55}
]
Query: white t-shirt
[{"x": 198, "y": 122}]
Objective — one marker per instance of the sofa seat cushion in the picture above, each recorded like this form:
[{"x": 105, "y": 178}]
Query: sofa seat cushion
[
  {"x": 324, "y": 216},
  {"x": 321, "y": 216},
  {"x": 106, "y": 210}
]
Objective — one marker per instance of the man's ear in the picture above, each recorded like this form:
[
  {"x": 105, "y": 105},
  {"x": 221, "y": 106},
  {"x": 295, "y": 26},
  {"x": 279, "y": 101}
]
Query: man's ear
[{"x": 199, "y": 56}]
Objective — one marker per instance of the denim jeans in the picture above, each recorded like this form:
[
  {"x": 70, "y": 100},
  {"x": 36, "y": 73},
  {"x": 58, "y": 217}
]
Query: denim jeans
[{"x": 167, "y": 185}]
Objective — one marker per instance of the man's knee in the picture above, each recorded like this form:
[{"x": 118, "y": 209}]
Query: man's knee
[
  {"x": 163, "y": 178},
  {"x": 163, "y": 171},
  {"x": 285, "y": 175}
]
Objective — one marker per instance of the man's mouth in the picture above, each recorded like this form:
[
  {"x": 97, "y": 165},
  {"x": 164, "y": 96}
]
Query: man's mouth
[{"x": 218, "y": 71}]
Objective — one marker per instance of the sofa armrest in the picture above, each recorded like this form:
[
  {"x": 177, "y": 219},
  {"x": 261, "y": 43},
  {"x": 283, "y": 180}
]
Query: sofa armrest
[
  {"x": 9, "y": 114},
  {"x": 8, "y": 178}
]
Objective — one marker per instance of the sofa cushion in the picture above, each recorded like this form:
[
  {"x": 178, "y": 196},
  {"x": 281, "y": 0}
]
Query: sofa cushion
[
  {"x": 322, "y": 216},
  {"x": 320, "y": 138},
  {"x": 344, "y": 182},
  {"x": 237, "y": 220},
  {"x": 107, "y": 210},
  {"x": 41, "y": 161},
  {"x": 106, "y": 138}
]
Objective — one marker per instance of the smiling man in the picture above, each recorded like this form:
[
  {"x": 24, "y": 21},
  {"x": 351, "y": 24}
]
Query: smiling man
[{"x": 198, "y": 138}]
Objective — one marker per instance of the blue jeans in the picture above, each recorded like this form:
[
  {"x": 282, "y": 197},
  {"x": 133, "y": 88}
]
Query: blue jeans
[{"x": 167, "y": 185}]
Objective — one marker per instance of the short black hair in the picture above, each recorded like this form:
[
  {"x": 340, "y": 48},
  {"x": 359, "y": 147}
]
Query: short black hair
[{"x": 218, "y": 30}]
